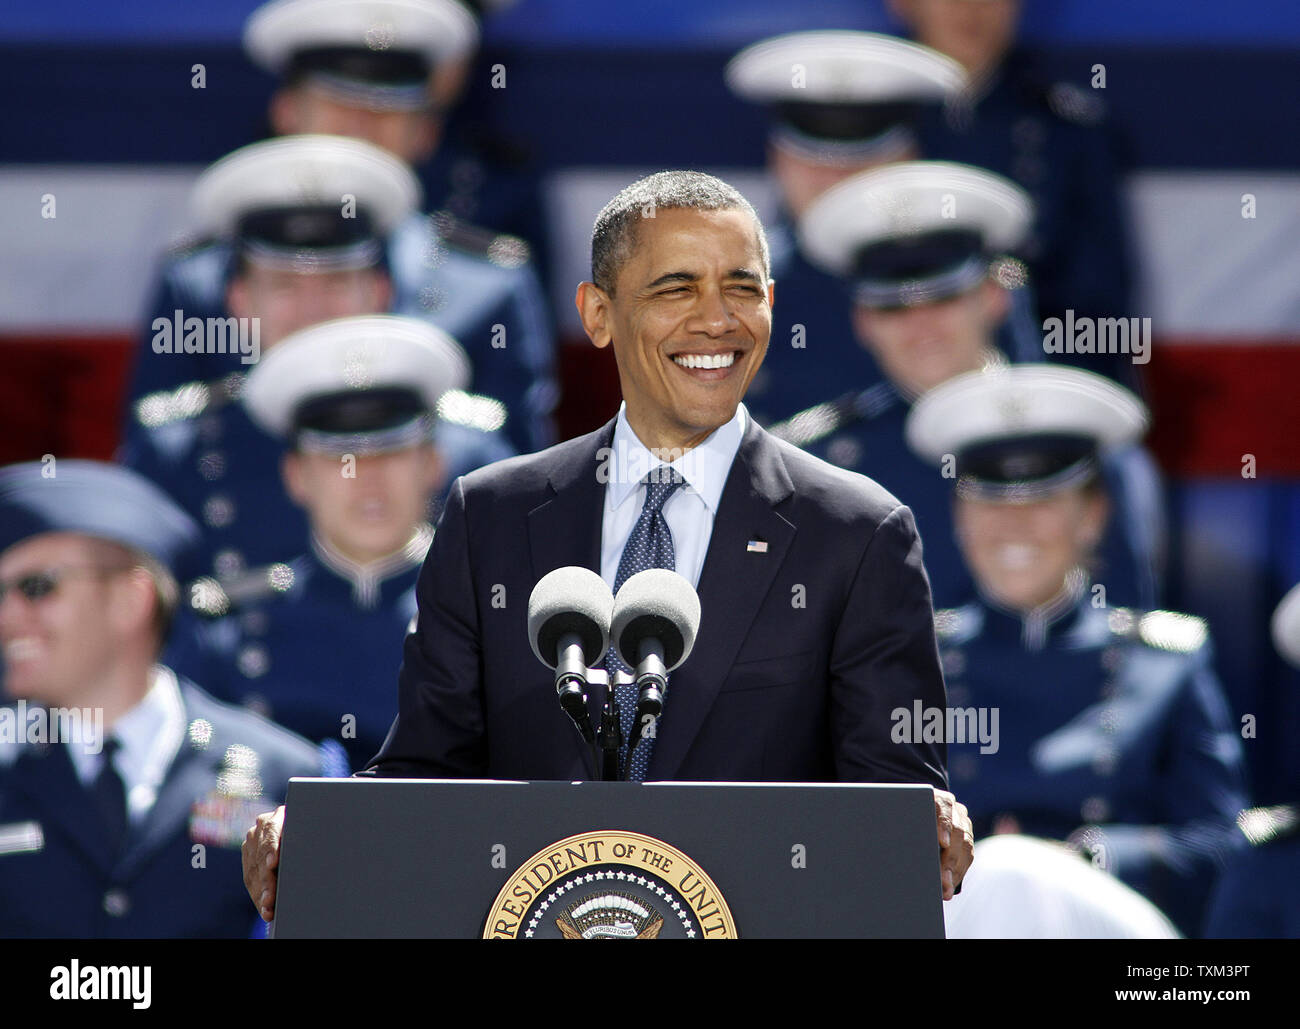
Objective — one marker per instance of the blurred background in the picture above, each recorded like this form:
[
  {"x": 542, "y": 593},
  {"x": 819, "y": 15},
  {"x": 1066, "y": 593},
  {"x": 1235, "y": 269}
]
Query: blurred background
[{"x": 1203, "y": 98}]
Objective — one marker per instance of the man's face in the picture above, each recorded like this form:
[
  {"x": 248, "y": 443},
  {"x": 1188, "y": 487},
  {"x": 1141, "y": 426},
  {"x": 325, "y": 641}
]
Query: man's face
[
  {"x": 694, "y": 290},
  {"x": 802, "y": 180},
  {"x": 58, "y": 644},
  {"x": 374, "y": 513},
  {"x": 975, "y": 33},
  {"x": 411, "y": 136},
  {"x": 922, "y": 346},
  {"x": 286, "y": 301},
  {"x": 1020, "y": 553}
]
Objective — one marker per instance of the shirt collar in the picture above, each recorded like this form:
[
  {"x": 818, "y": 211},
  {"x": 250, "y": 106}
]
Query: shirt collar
[
  {"x": 366, "y": 578},
  {"x": 149, "y": 735},
  {"x": 705, "y": 467}
]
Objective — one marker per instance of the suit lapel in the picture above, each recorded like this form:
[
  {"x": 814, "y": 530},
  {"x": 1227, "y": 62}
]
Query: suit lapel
[
  {"x": 191, "y": 775},
  {"x": 565, "y": 529},
  {"x": 733, "y": 585},
  {"x": 45, "y": 775}
]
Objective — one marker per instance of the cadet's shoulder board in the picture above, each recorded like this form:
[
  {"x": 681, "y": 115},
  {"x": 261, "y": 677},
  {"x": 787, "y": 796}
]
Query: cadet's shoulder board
[
  {"x": 472, "y": 410},
  {"x": 1163, "y": 630},
  {"x": 1074, "y": 104},
  {"x": 821, "y": 420},
  {"x": 953, "y": 625},
  {"x": 186, "y": 401},
  {"x": 500, "y": 248},
  {"x": 212, "y": 598}
]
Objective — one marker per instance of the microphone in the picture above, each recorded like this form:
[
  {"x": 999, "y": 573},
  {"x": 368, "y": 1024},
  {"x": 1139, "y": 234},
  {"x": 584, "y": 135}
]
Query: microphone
[
  {"x": 656, "y": 617},
  {"x": 568, "y": 627}
]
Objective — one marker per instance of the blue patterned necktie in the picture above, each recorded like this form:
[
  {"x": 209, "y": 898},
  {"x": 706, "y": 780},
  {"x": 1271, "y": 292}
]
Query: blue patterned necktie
[{"x": 649, "y": 546}]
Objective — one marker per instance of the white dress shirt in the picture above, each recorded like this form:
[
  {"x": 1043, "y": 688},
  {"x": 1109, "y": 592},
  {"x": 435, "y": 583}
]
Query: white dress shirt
[
  {"x": 689, "y": 512},
  {"x": 150, "y": 736}
]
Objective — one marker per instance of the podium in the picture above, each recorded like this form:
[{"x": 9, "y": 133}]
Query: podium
[{"x": 384, "y": 858}]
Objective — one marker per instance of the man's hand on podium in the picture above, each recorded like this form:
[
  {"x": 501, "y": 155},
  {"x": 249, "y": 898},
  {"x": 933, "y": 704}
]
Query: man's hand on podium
[
  {"x": 956, "y": 841},
  {"x": 261, "y": 853}
]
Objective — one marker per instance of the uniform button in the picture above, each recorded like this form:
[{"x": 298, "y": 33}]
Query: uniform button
[
  {"x": 1110, "y": 658},
  {"x": 218, "y": 511},
  {"x": 253, "y": 661},
  {"x": 212, "y": 465},
  {"x": 1095, "y": 809},
  {"x": 228, "y": 563},
  {"x": 258, "y": 704},
  {"x": 1105, "y": 761},
  {"x": 844, "y": 452},
  {"x": 116, "y": 903},
  {"x": 954, "y": 662},
  {"x": 1108, "y": 719}
]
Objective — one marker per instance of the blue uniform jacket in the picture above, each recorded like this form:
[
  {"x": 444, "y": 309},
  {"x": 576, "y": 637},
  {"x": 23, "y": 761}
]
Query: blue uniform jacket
[
  {"x": 163, "y": 884},
  {"x": 319, "y": 656},
  {"x": 477, "y": 286},
  {"x": 1111, "y": 726}
]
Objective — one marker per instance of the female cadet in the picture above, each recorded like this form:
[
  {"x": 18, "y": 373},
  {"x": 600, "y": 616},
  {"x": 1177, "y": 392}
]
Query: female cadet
[{"x": 1109, "y": 728}]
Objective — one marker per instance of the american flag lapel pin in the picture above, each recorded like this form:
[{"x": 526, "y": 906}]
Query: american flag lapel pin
[{"x": 756, "y": 547}]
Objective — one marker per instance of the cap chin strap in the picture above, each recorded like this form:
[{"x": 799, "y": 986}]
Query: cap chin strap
[
  {"x": 372, "y": 96},
  {"x": 417, "y": 431},
  {"x": 308, "y": 260},
  {"x": 889, "y": 145},
  {"x": 925, "y": 290},
  {"x": 1079, "y": 473}
]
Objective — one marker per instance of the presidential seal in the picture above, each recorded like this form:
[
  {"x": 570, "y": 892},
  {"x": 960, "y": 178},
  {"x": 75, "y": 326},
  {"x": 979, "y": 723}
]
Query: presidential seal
[{"x": 611, "y": 885}]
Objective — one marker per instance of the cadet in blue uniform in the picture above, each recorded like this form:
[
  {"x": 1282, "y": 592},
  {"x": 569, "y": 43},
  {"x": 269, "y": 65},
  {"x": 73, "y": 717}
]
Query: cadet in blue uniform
[
  {"x": 1258, "y": 895},
  {"x": 316, "y": 643},
  {"x": 921, "y": 242},
  {"x": 369, "y": 70},
  {"x": 1100, "y": 725},
  {"x": 125, "y": 791},
  {"x": 1053, "y": 139},
  {"x": 300, "y": 258},
  {"x": 840, "y": 103}
]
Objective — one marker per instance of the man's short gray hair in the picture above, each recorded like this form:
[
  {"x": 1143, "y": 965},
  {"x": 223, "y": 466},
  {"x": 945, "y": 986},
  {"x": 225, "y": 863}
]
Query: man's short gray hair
[{"x": 615, "y": 232}]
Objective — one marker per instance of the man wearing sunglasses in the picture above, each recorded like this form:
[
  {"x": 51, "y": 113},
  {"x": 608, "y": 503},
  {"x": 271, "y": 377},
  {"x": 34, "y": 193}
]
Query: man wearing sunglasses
[{"x": 124, "y": 791}]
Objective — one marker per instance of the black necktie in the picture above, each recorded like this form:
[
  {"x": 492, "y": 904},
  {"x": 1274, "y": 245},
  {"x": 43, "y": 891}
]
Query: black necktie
[{"x": 110, "y": 797}]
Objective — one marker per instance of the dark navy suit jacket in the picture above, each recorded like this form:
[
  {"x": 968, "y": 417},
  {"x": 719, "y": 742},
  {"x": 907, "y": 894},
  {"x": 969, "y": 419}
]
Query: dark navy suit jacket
[{"x": 803, "y": 650}]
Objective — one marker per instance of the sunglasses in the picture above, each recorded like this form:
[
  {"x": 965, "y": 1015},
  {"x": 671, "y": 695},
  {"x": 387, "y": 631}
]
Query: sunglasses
[{"x": 38, "y": 585}]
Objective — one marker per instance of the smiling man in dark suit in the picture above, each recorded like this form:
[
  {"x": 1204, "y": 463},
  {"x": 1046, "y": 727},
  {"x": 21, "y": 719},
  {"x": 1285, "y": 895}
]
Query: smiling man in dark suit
[{"x": 816, "y": 623}]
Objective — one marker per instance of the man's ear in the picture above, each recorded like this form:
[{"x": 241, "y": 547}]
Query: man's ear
[
  {"x": 428, "y": 134},
  {"x": 382, "y": 291},
  {"x": 864, "y": 322},
  {"x": 996, "y": 302},
  {"x": 291, "y": 471},
  {"x": 285, "y": 112},
  {"x": 133, "y": 605},
  {"x": 593, "y": 308},
  {"x": 435, "y": 471},
  {"x": 238, "y": 302},
  {"x": 1096, "y": 515}
]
